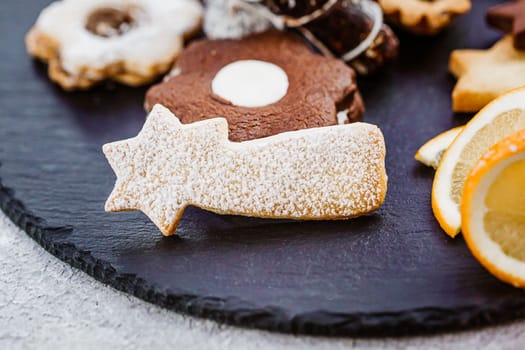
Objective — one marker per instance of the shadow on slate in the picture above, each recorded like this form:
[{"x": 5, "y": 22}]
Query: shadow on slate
[{"x": 391, "y": 273}]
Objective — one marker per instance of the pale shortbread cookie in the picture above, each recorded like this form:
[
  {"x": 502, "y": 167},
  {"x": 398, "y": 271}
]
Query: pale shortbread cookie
[
  {"x": 425, "y": 17},
  {"x": 335, "y": 172},
  {"x": 130, "y": 41},
  {"x": 483, "y": 75}
]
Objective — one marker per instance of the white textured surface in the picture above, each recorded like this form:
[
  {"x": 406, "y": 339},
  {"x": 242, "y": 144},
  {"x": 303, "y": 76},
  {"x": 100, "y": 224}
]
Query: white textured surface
[
  {"x": 250, "y": 83},
  {"x": 46, "y": 304},
  {"x": 298, "y": 174}
]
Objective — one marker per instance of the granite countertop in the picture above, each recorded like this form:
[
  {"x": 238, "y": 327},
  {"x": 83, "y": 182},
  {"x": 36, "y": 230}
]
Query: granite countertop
[{"x": 46, "y": 304}]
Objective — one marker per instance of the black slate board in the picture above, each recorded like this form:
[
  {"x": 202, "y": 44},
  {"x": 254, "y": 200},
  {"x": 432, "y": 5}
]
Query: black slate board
[{"x": 393, "y": 272}]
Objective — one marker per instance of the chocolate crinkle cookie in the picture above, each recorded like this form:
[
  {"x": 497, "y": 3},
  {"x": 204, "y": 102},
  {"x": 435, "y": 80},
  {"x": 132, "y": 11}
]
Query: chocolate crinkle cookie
[
  {"x": 263, "y": 84},
  {"x": 347, "y": 29},
  {"x": 381, "y": 44}
]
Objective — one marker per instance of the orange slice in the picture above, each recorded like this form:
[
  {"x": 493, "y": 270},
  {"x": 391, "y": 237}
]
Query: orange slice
[
  {"x": 432, "y": 151},
  {"x": 502, "y": 117},
  {"x": 493, "y": 210}
]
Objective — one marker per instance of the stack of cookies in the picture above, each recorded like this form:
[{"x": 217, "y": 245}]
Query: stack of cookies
[{"x": 260, "y": 117}]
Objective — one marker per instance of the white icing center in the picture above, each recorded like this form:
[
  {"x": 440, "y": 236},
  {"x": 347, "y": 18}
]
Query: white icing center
[{"x": 250, "y": 83}]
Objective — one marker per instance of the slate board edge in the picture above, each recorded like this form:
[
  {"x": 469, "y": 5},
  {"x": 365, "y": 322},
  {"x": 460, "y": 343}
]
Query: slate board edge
[{"x": 236, "y": 312}]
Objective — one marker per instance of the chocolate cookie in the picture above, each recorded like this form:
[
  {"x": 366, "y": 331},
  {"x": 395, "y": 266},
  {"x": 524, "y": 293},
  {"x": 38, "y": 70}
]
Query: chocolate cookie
[
  {"x": 345, "y": 26},
  {"x": 347, "y": 29},
  {"x": 509, "y": 17},
  {"x": 295, "y": 10},
  {"x": 263, "y": 85}
]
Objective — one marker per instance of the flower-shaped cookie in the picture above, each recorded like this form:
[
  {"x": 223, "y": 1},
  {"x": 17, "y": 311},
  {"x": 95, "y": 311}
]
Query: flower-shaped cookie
[
  {"x": 263, "y": 85},
  {"x": 425, "y": 17},
  {"x": 130, "y": 41}
]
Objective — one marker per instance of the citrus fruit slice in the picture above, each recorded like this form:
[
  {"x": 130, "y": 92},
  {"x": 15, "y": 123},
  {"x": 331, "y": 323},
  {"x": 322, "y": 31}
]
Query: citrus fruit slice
[
  {"x": 493, "y": 210},
  {"x": 432, "y": 151},
  {"x": 500, "y": 118}
]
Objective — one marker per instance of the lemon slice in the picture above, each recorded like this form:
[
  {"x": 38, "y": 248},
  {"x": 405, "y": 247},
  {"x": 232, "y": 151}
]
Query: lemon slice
[
  {"x": 502, "y": 117},
  {"x": 432, "y": 151},
  {"x": 493, "y": 210}
]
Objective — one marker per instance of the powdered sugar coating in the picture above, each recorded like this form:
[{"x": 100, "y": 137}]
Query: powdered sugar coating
[
  {"x": 156, "y": 39},
  {"x": 322, "y": 173},
  {"x": 228, "y": 19}
]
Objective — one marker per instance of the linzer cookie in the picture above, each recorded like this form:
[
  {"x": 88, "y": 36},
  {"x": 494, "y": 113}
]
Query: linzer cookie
[
  {"x": 326, "y": 173},
  {"x": 263, "y": 85},
  {"x": 509, "y": 18},
  {"x": 425, "y": 17},
  {"x": 130, "y": 41},
  {"x": 483, "y": 75}
]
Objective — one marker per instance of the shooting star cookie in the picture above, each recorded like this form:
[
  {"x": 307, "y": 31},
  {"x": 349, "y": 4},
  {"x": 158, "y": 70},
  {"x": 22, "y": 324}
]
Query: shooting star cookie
[
  {"x": 483, "y": 75},
  {"x": 334, "y": 172}
]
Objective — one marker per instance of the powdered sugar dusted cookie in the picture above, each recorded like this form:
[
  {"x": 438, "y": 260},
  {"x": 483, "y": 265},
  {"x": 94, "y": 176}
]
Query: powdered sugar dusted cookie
[
  {"x": 130, "y": 41},
  {"x": 229, "y": 19},
  {"x": 483, "y": 75},
  {"x": 425, "y": 17},
  {"x": 334, "y": 172},
  {"x": 263, "y": 85}
]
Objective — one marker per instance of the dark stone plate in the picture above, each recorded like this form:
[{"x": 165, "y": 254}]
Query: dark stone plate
[{"x": 394, "y": 272}]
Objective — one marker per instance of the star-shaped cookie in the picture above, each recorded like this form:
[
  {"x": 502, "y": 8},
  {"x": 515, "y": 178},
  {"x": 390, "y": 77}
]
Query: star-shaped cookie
[
  {"x": 485, "y": 74},
  {"x": 509, "y": 18},
  {"x": 335, "y": 172}
]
